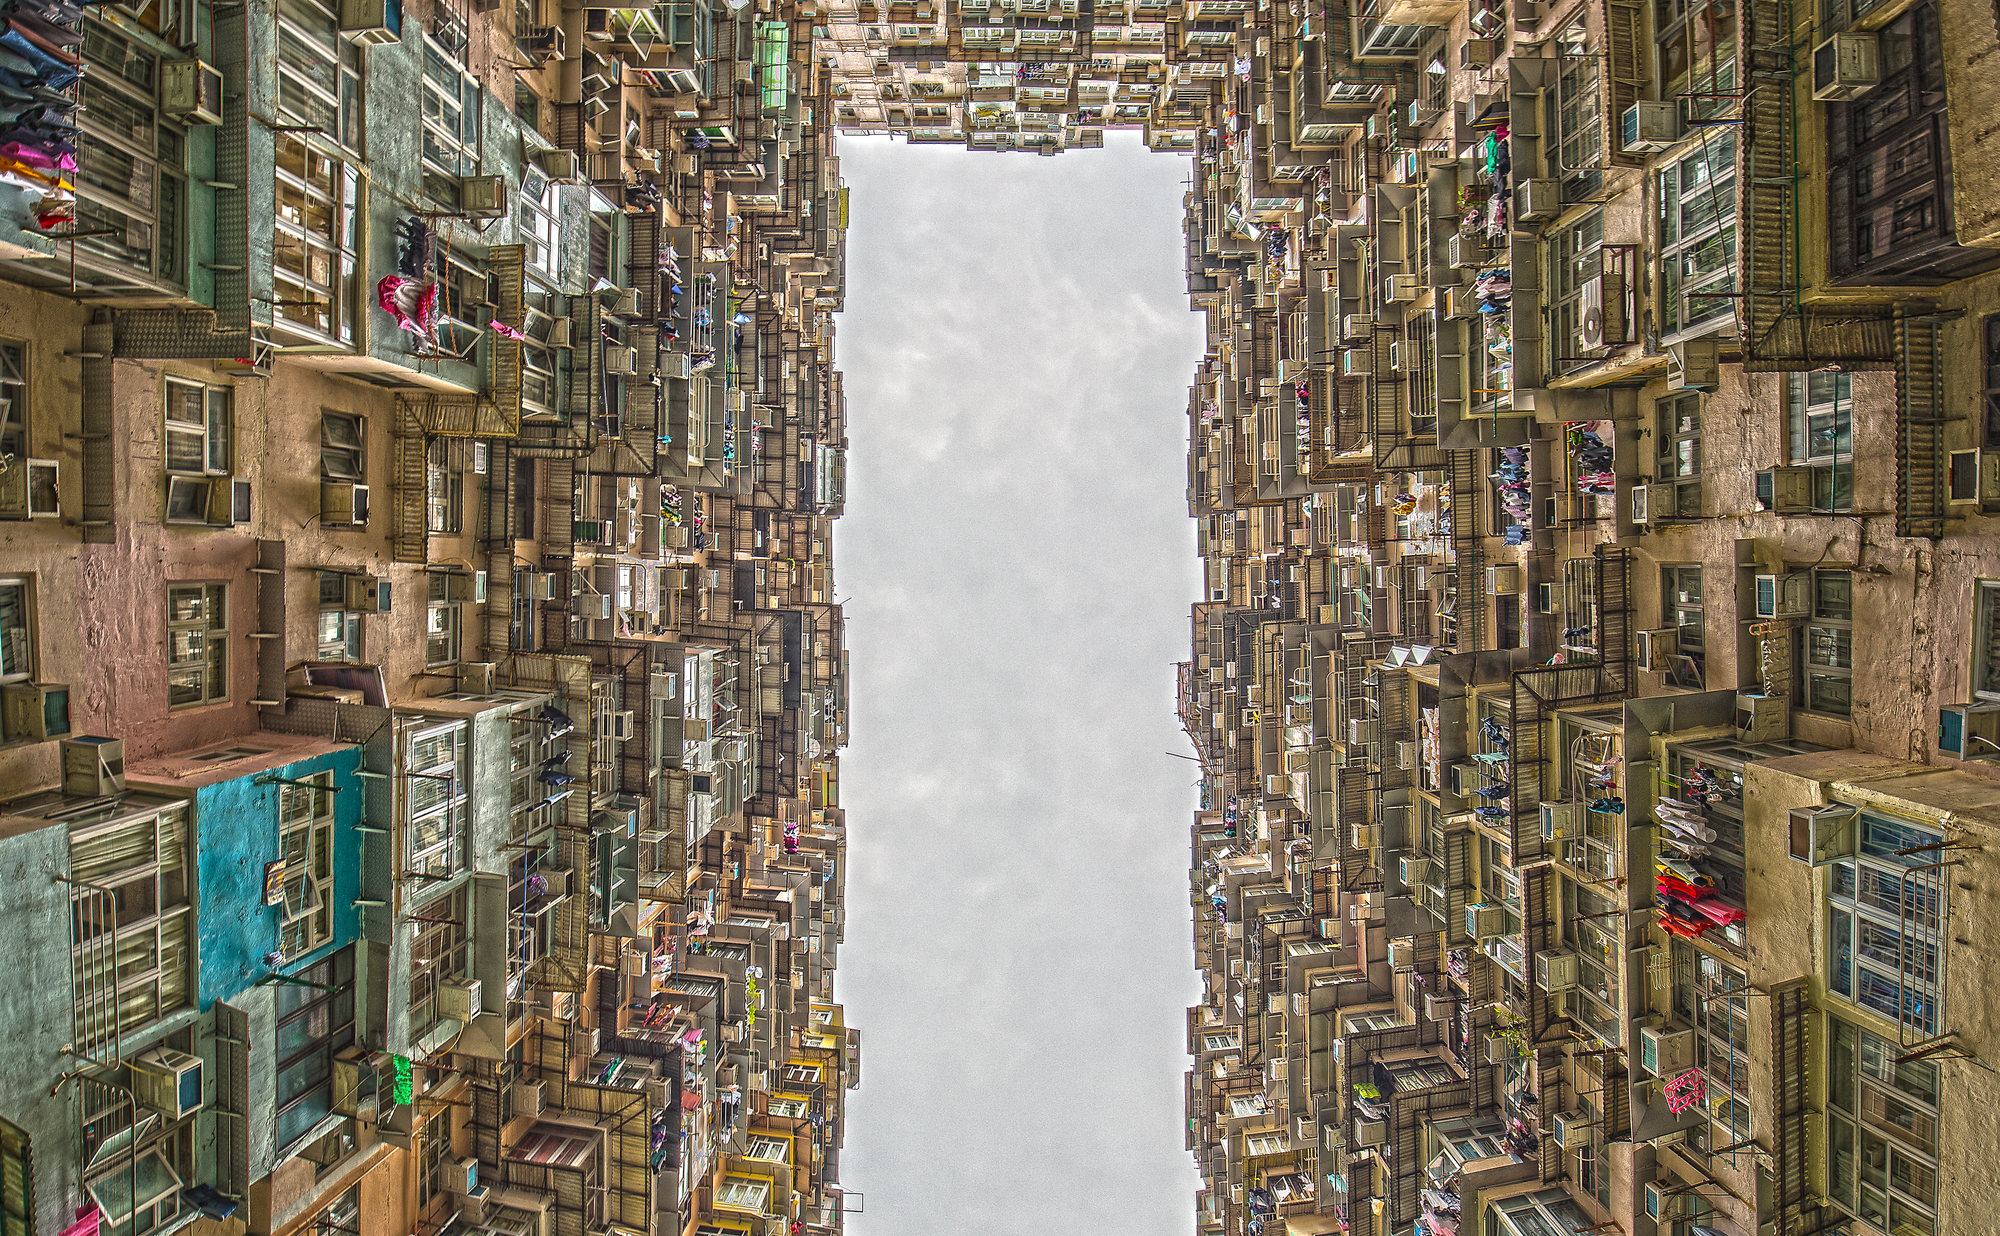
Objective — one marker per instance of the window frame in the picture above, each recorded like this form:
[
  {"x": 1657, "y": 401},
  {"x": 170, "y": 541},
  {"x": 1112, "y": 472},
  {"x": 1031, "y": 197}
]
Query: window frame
[
  {"x": 1678, "y": 23},
  {"x": 328, "y": 1017},
  {"x": 150, "y": 149},
  {"x": 350, "y": 644},
  {"x": 1851, "y": 1085},
  {"x": 1832, "y": 470},
  {"x": 1828, "y": 623},
  {"x": 444, "y": 491},
  {"x": 426, "y": 809},
  {"x": 330, "y": 449},
  {"x": 448, "y": 148},
  {"x": 1575, "y": 255},
  {"x": 213, "y": 661},
  {"x": 26, "y": 642},
  {"x": 305, "y": 837},
  {"x": 1711, "y": 232},
  {"x": 444, "y": 622},
  {"x": 1576, "y": 101},
  {"x": 1847, "y": 948},
  {"x": 440, "y": 951},
  {"x": 166, "y": 931},
  {"x": 16, "y": 423},
  {"x": 316, "y": 217},
  {"x": 1676, "y": 609}
]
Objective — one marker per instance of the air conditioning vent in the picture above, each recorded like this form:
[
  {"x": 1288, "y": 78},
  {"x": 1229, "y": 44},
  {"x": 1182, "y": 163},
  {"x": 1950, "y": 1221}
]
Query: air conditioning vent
[
  {"x": 1845, "y": 67},
  {"x": 168, "y": 1081},
  {"x": 1556, "y": 970},
  {"x": 191, "y": 92},
  {"x": 1664, "y": 1051},
  {"x": 459, "y": 1001},
  {"x": 1648, "y": 127},
  {"x": 1485, "y": 922},
  {"x": 343, "y": 504},
  {"x": 483, "y": 197},
  {"x": 1561, "y": 821},
  {"x": 1656, "y": 646}
]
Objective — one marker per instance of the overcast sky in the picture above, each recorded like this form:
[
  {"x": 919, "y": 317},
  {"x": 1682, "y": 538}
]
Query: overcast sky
[{"x": 1017, "y": 565}]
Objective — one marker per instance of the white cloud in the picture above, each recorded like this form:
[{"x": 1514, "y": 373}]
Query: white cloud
[{"x": 1017, "y": 570}]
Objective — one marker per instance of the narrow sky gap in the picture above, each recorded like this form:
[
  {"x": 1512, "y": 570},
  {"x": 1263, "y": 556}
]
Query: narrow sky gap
[{"x": 1016, "y": 565}]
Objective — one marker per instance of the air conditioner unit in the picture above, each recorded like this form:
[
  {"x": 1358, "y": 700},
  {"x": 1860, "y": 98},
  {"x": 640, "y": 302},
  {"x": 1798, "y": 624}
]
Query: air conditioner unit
[
  {"x": 1402, "y": 953},
  {"x": 1662, "y": 1204},
  {"x": 462, "y": 1177},
  {"x": 593, "y": 606},
  {"x": 1649, "y": 126},
  {"x": 625, "y": 303},
  {"x": 559, "y": 333},
  {"x": 1465, "y": 778},
  {"x": 370, "y": 594},
  {"x": 529, "y": 1098},
  {"x": 620, "y": 360},
  {"x": 1360, "y": 730},
  {"x": 472, "y": 1205},
  {"x": 1462, "y": 250},
  {"x": 1537, "y": 201},
  {"x": 1365, "y": 836},
  {"x": 1400, "y": 288},
  {"x": 92, "y": 767},
  {"x": 1414, "y": 871},
  {"x": 1408, "y": 752},
  {"x": 1556, "y": 970},
  {"x": 1784, "y": 596},
  {"x": 31, "y": 492},
  {"x": 343, "y": 504},
  {"x": 1570, "y": 1130},
  {"x": 229, "y": 501},
  {"x": 168, "y": 1081},
  {"x": 1762, "y": 718},
  {"x": 1790, "y": 489},
  {"x": 1664, "y": 1050},
  {"x": 1694, "y": 365},
  {"x": 1969, "y": 731},
  {"x": 615, "y": 726},
  {"x": 561, "y": 166},
  {"x": 1603, "y": 304},
  {"x": 191, "y": 92},
  {"x": 1485, "y": 922},
  {"x": 1476, "y": 53},
  {"x": 1461, "y": 302},
  {"x": 34, "y": 711},
  {"x": 1357, "y": 326},
  {"x": 483, "y": 197},
  {"x": 1369, "y": 1133},
  {"x": 590, "y": 531},
  {"x": 1499, "y": 1050},
  {"x": 1642, "y": 502},
  {"x": 1548, "y": 598},
  {"x": 541, "y": 586},
  {"x": 1357, "y": 362},
  {"x": 372, "y": 22},
  {"x": 1561, "y": 821},
  {"x": 1656, "y": 646},
  {"x": 1503, "y": 580},
  {"x": 476, "y": 677},
  {"x": 543, "y": 44},
  {"x": 464, "y": 585},
  {"x": 459, "y": 1001},
  {"x": 1846, "y": 66}
]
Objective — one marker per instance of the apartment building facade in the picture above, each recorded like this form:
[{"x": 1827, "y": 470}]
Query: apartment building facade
[
  {"x": 424, "y": 684},
  {"x": 1588, "y": 462}
]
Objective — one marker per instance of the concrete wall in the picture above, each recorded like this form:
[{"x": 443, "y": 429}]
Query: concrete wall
[{"x": 35, "y": 1021}]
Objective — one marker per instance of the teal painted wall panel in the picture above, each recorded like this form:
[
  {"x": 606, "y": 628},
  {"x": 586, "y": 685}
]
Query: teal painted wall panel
[{"x": 236, "y": 834}]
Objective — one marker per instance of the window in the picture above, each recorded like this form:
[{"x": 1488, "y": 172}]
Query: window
[
  {"x": 305, "y": 832},
  {"x": 1697, "y": 40},
  {"x": 1678, "y": 433},
  {"x": 438, "y": 950},
  {"x": 313, "y": 258},
  {"x": 1579, "y": 115},
  {"x": 1827, "y": 646},
  {"x": 441, "y": 626},
  {"x": 1680, "y": 595},
  {"x": 319, "y": 75},
  {"x": 1697, "y": 199},
  {"x": 433, "y": 1152},
  {"x": 1820, "y": 435},
  {"x": 17, "y": 1182},
  {"x": 17, "y": 629},
  {"x": 743, "y": 1193},
  {"x": 13, "y": 400},
  {"x": 451, "y": 102},
  {"x": 1255, "y": 1144},
  {"x": 130, "y": 188},
  {"x": 339, "y": 629},
  {"x": 434, "y": 797},
  {"x": 343, "y": 442},
  {"x": 1714, "y": 1000},
  {"x": 1881, "y": 1132},
  {"x": 770, "y": 1149},
  {"x": 444, "y": 489},
  {"x": 1986, "y": 640},
  {"x": 341, "y": 1218},
  {"x": 1887, "y": 911},
  {"x": 802, "y": 1073},
  {"x": 197, "y": 644},
  {"x": 313, "y": 1026},
  {"x": 136, "y": 865},
  {"x": 1576, "y": 256},
  {"x": 788, "y": 1108}
]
